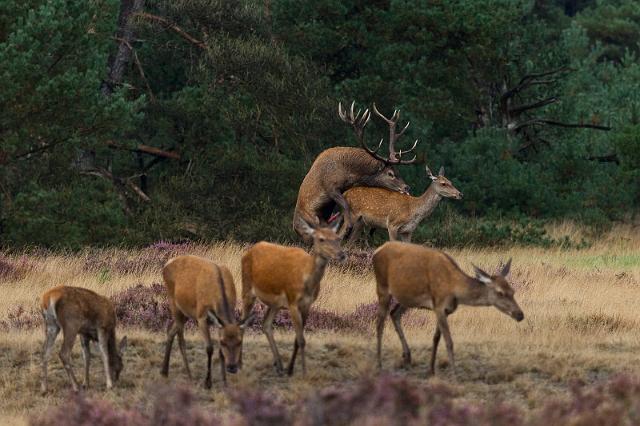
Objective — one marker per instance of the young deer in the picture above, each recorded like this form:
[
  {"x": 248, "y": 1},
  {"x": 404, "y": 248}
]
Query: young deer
[
  {"x": 288, "y": 277},
  {"x": 420, "y": 277},
  {"x": 76, "y": 311},
  {"x": 337, "y": 169},
  {"x": 399, "y": 213},
  {"x": 203, "y": 291}
]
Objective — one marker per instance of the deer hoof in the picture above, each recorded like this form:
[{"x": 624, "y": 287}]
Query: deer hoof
[{"x": 207, "y": 384}]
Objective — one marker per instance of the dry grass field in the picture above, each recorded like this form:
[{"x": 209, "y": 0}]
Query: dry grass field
[{"x": 581, "y": 322}]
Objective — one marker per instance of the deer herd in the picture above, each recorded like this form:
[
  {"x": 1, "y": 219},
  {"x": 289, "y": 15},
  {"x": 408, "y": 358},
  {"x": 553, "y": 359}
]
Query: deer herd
[{"x": 367, "y": 190}]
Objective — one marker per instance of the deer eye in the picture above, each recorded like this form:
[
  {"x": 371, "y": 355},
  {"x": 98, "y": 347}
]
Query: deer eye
[
  {"x": 321, "y": 239},
  {"x": 391, "y": 174}
]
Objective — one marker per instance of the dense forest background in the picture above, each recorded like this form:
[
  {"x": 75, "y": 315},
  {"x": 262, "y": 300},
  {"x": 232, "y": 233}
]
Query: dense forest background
[{"x": 131, "y": 121}]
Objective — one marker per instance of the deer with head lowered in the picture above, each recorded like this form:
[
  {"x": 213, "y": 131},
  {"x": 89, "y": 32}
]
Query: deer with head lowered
[
  {"x": 288, "y": 277},
  {"x": 203, "y": 291},
  {"x": 337, "y": 169},
  {"x": 420, "y": 277},
  {"x": 76, "y": 310},
  {"x": 399, "y": 213}
]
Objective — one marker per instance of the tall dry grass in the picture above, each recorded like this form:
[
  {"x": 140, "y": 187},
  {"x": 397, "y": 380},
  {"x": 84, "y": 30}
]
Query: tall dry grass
[{"x": 580, "y": 305}]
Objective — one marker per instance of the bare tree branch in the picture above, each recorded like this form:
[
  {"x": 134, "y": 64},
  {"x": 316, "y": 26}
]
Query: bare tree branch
[
  {"x": 145, "y": 149},
  {"x": 171, "y": 26}
]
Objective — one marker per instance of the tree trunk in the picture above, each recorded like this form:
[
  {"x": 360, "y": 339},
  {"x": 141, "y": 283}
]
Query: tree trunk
[{"x": 124, "y": 35}]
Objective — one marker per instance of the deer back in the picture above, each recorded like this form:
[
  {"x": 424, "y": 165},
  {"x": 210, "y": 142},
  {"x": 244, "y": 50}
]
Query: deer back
[
  {"x": 380, "y": 206},
  {"x": 192, "y": 283},
  {"x": 79, "y": 305},
  {"x": 416, "y": 275},
  {"x": 274, "y": 270}
]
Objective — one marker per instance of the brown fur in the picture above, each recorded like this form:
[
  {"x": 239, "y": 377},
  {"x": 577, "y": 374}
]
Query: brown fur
[
  {"x": 76, "y": 311},
  {"x": 334, "y": 171},
  {"x": 195, "y": 290},
  {"x": 287, "y": 277},
  {"x": 399, "y": 213},
  {"x": 420, "y": 277}
]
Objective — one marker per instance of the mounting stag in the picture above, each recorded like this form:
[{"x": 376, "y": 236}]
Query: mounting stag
[
  {"x": 337, "y": 169},
  {"x": 76, "y": 310},
  {"x": 288, "y": 277},
  {"x": 203, "y": 291},
  {"x": 399, "y": 213},
  {"x": 420, "y": 277}
]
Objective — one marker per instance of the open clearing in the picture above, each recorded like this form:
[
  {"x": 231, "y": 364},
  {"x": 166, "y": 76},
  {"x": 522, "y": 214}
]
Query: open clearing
[{"x": 581, "y": 323}]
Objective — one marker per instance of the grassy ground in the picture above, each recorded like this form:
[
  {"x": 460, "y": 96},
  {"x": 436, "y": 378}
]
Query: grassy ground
[{"x": 581, "y": 323}]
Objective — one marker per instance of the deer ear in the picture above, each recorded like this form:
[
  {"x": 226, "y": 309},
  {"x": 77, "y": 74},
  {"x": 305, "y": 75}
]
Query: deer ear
[
  {"x": 215, "y": 319},
  {"x": 429, "y": 174},
  {"x": 307, "y": 229},
  {"x": 123, "y": 344},
  {"x": 247, "y": 321},
  {"x": 441, "y": 172},
  {"x": 507, "y": 267},
  {"x": 336, "y": 226},
  {"x": 481, "y": 275}
]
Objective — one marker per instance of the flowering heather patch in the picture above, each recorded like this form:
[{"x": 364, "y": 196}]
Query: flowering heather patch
[
  {"x": 19, "y": 318},
  {"x": 260, "y": 409},
  {"x": 143, "y": 306},
  {"x": 80, "y": 411},
  {"x": 12, "y": 270}
]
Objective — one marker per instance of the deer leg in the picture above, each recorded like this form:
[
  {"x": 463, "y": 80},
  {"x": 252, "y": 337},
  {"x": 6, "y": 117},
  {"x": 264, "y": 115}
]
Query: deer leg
[
  {"x": 103, "y": 344},
  {"x": 299, "y": 343},
  {"x": 443, "y": 325},
  {"x": 248, "y": 300},
  {"x": 405, "y": 237},
  {"x": 393, "y": 234},
  {"x": 203, "y": 326},
  {"x": 183, "y": 350},
  {"x": 434, "y": 350},
  {"x": 383, "y": 309},
  {"x": 172, "y": 330},
  {"x": 86, "y": 356},
  {"x": 50, "y": 333},
  {"x": 267, "y": 328},
  {"x": 69, "y": 338},
  {"x": 222, "y": 368},
  {"x": 339, "y": 199},
  {"x": 356, "y": 230},
  {"x": 396, "y": 317}
]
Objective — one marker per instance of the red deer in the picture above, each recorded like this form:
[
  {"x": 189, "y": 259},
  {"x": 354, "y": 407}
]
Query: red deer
[
  {"x": 203, "y": 291},
  {"x": 420, "y": 277},
  {"x": 288, "y": 277},
  {"x": 399, "y": 213},
  {"x": 337, "y": 169},
  {"x": 76, "y": 310}
]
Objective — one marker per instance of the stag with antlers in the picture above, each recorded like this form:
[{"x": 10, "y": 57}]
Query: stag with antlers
[{"x": 337, "y": 169}]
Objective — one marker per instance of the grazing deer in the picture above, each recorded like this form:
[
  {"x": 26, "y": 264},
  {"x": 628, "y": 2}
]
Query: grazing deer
[
  {"x": 76, "y": 310},
  {"x": 337, "y": 169},
  {"x": 288, "y": 277},
  {"x": 203, "y": 291},
  {"x": 400, "y": 214},
  {"x": 420, "y": 277}
]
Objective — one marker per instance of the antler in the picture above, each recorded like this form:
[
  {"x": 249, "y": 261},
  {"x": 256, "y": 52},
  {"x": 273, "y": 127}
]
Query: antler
[
  {"x": 358, "y": 122},
  {"x": 395, "y": 157}
]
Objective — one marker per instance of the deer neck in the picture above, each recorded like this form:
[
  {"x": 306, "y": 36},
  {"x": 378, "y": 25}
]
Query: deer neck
[
  {"x": 312, "y": 283},
  {"x": 473, "y": 293},
  {"x": 427, "y": 202}
]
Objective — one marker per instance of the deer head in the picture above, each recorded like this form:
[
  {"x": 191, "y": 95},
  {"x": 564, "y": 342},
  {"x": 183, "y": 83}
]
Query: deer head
[
  {"x": 230, "y": 333},
  {"x": 387, "y": 176},
  {"x": 442, "y": 185},
  {"x": 326, "y": 241},
  {"x": 115, "y": 359},
  {"x": 500, "y": 292}
]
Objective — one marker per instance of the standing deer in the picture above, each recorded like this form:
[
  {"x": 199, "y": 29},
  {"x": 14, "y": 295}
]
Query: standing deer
[
  {"x": 400, "y": 214},
  {"x": 81, "y": 311},
  {"x": 337, "y": 169},
  {"x": 203, "y": 291},
  {"x": 420, "y": 277},
  {"x": 288, "y": 277}
]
